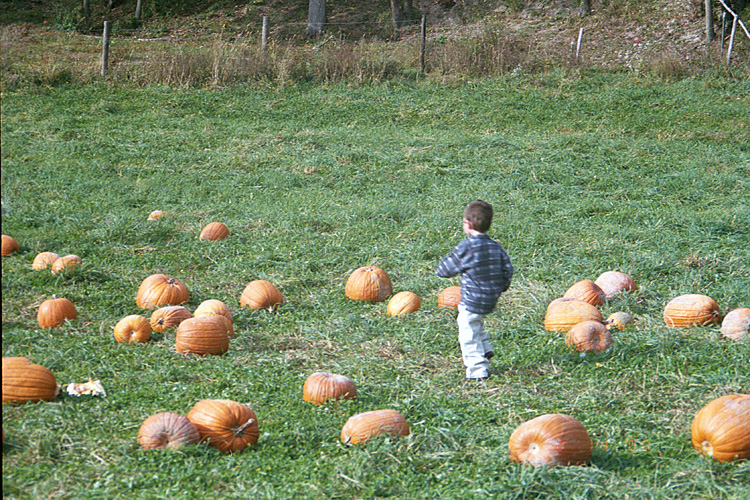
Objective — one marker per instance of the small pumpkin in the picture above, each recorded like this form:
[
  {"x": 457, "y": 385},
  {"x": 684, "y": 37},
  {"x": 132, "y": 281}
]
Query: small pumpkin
[
  {"x": 24, "y": 381},
  {"x": 551, "y": 439},
  {"x": 214, "y": 231},
  {"x": 736, "y": 324},
  {"x": 161, "y": 290},
  {"x": 449, "y": 297},
  {"x": 167, "y": 430},
  {"x": 9, "y": 245},
  {"x": 167, "y": 317},
  {"x": 203, "y": 335},
  {"x": 721, "y": 429},
  {"x": 53, "y": 312},
  {"x": 564, "y": 313},
  {"x": 155, "y": 215},
  {"x": 403, "y": 303},
  {"x": 133, "y": 328},
  {"x": 66, "y": 263},
  {"x": 227, "y": 425},
  {"x": 369, "y": 283},
  {"x": 587, "y": 291},
  {"x": 362, "y": 427},
  {"x": 321, "y": 387},
  {"x": 589, "y": 336},
  {"x": 614, "y": 282},
  {"x": 261, "y": 294},
  {"x": 619, "y": 320},
  {"x": 215, "y": 306},
  {"x": 43, "y": 260},
  {"x": 691, "y": 310}
]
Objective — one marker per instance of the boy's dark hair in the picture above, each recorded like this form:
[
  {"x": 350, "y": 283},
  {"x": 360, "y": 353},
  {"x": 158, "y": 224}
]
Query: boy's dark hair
[{"x": 479, "y": 213}]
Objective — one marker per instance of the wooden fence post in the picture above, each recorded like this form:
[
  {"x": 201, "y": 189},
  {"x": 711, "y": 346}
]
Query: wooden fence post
[
  {"x": 105, "y": 48},
  {"x": 423, "y": 42},
  {"x": 264, "y": 35}
]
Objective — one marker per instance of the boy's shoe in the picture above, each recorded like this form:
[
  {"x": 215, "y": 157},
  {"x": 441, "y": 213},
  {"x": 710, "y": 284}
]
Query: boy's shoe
[
  {"x": 489, "y": 355},
  {"x": 477, "y": 379}
]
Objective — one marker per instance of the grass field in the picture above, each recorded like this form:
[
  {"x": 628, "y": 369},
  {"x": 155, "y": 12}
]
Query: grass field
[{"x": 587, "y": 173}]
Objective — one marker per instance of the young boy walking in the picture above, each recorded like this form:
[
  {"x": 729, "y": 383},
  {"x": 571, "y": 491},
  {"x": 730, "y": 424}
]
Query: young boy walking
[{"x": 486, "y": 272}]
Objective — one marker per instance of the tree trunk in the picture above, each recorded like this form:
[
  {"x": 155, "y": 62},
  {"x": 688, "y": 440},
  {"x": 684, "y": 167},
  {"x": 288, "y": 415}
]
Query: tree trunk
[
  {"x": 401, "y": 12},
  {"x": 586, "y": 7},
  {"x": 138, "y": 10},
  {"x": 316, "y": 18},
  {"x": 709, "y": 22}
]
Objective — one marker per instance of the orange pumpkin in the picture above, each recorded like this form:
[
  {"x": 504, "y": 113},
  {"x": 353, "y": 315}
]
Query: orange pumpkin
[
  {"x": 736, "y": 324},
  {"x": 167, "y": 430},
  {"x": 564, "y": 313},
  {"x": 690, "y": 310},
  {"x": 215, "y": 306},
  {"x": 155, "y": 215},
  {"x": 167, "y": 317},
  {"x": 227, "y": 425},
  {"x": 9, "y": 245},
  {"x": 43, "y": 260},
  {"x": 449, "y": 297},
  {"x": 551, "y": 439},
  {"x": 369, "y": 283},
  {"x": 362, "y": 427},
  {"x": 615, "y": 282},
  {"x": 24, "y": 381},
  {"x": 214, "y": 231},
  {"x": 721, "y": 429},
  {"x": 161, "y": 290},
  {"x": 261, "y": 294},
  {"x": 53, "y": 312},
  {"x": 321, "y": 387},
  {"x": 589, "y": 336},
  {"x": 66, "y": 263},
  {"x": 203, "y": 335},
  {"x": 133, "y": 328},
  {"x": 619, "y": 320},
  {"x": 587, "y": 291},
  {"x": 403, "y": 303}
]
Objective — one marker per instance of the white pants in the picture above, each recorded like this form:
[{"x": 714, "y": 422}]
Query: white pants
[{"x": 474, "y": 343}]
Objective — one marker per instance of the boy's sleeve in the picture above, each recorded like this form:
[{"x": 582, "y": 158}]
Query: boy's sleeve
[
  {"x": 450, "y": 265},
  {"x": 507, "y": 272}
]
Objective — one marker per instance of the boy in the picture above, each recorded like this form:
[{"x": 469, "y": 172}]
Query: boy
[{"x": 486, "y": 272}]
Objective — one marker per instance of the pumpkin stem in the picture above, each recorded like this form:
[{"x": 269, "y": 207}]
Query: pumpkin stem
[{"x": 241, "y": 428}]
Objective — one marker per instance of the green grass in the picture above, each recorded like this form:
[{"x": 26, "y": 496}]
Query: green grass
[{"x": 586, "y": 174}]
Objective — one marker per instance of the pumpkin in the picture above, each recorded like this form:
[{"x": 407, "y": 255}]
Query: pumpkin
[
  {"x": 9, "y": 245},
  {"x": 133, "y": 328},
  {"x": 167, "y": 317},
  {"x": 155, "y": 215},
  {"x": 615, "y": 282},
  {"x": 214, "y": 306},
  {"x": 161, "y": 290},
  {"x": 362, "y": 427},
  {"x": 587, "y": 291},
  {"x": 44, "y": 260},
  {"x": 65, "y": 263},
  {"x": 369, "y": 283},
  {"x": 53, "y": 312},
  {"x": 320, "y": 387},
  {"x": 227, "y": 425},
  {"x": 261, "y": 294},
  {"x": 589, "y": 336},
  {"x": 403, "y": 303},
  {"x": 167, "y": 430},
  {"x": 690, "y": 310},
  {"x": 721, "y": 429},
  {"x": 619, "y": 320},
  {"x": 449, "y": 297},
  {"x": 564, "y": 313},
  {"x": 214, "y": 231},
  {"x": 24, "y": 381},
  {"x": 203, "y": 335},
  {"x": 551, "y": 439},
  {"x": 736, "y": 324}
]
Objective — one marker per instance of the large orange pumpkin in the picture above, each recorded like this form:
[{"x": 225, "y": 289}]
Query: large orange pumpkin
[
  {"x": 321, "y": 387},
  {"x": 214, "y": 231},
  {"x": 9, "y": 245},
  {"x": 43, "y": 260},
  {"x": 721, "y": 429},
  {"x": 227, "y": 425},
  {"x": 736, "y": 324},
  {"x": 564, "y": 313},
  {"x": 369, "y": 283},
  {"x": 217, "y": 307},
  {"x": 690, "y": 310},
  {"x": 449, "y": 297},
  {"x": 203, "y": 335},
  {"x": 364, "y": 426},
  {"x": 167, "y": 430},
  {"x": 24, "y": 381},
  {"x": 133, "y": 328},
  {"x": 589, "y": 336},
  {"x": 261, "y": 294},
  {"x": 403, "y": 303},
  {"x": 587, "y": 291},
  {"x": 615, "y": 282},
  {"x": 167, "y": 317},
  {"x": 53, "y": 312},
  {"x": 161, "y": 290},
  {"x": 551, "y": 439}
]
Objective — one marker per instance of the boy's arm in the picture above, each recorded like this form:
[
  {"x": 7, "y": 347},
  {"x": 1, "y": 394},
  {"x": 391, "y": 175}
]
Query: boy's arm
[
  {"x": 507, "y": 272},
  {"x": 450, "y": 266}
]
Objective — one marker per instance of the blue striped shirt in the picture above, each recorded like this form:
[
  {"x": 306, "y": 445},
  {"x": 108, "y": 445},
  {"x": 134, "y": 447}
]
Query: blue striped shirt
[{"x": 485, "y": 271}]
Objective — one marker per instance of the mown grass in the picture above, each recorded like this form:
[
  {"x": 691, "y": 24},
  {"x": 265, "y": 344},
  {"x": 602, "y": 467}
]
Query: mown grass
[{"x": 587, "y": 173}]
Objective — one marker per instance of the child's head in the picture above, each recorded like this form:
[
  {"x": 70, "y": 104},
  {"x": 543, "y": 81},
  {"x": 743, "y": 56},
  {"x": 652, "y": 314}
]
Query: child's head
[{"x": 479, "y": 214}]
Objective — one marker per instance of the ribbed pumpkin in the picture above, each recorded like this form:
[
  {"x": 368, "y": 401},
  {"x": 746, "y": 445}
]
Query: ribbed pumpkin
[
  {"x": 364, "y": 426},
  {"x": 167, "y": 317},
  {"x": 161, "y": 290},
  {"x": 261, "y": 294},
  {"x": 133, "y": 328},
  {"x": 615, "y": 282},
  {"x": 552, "y": 439},
  {"x": 214, "y": 231},
  {"x": 217, "y": 307},
  {"x": 167, "y": 430},
  {"x": 564, "y": 313},
  {"x": 24, "y": 381},
  {"x": 43, "y": 260},
  {"x": 227, "y": 425},
  {"x": 155, "y": 215},
  {"x": 736, "y": 324},
  {"x": 589, "y": 336},
  {"x": 619, "y": 320},
  {"x": 203, "y": 335},
  {"x": 403, "y": 303},
  {"x": 9, "y": 245},
  {"x": 53, "y": 312},
  {"x": 721, "y": 429},
  {"x": 369, "y": 283},
  {"x": 691, "y": 310},
  {"x": 66, "y": 263},
  {"x": 449, "y": 297},
  {"x": 321, "y": 387},
  {"x": 587, "y": 291}
]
